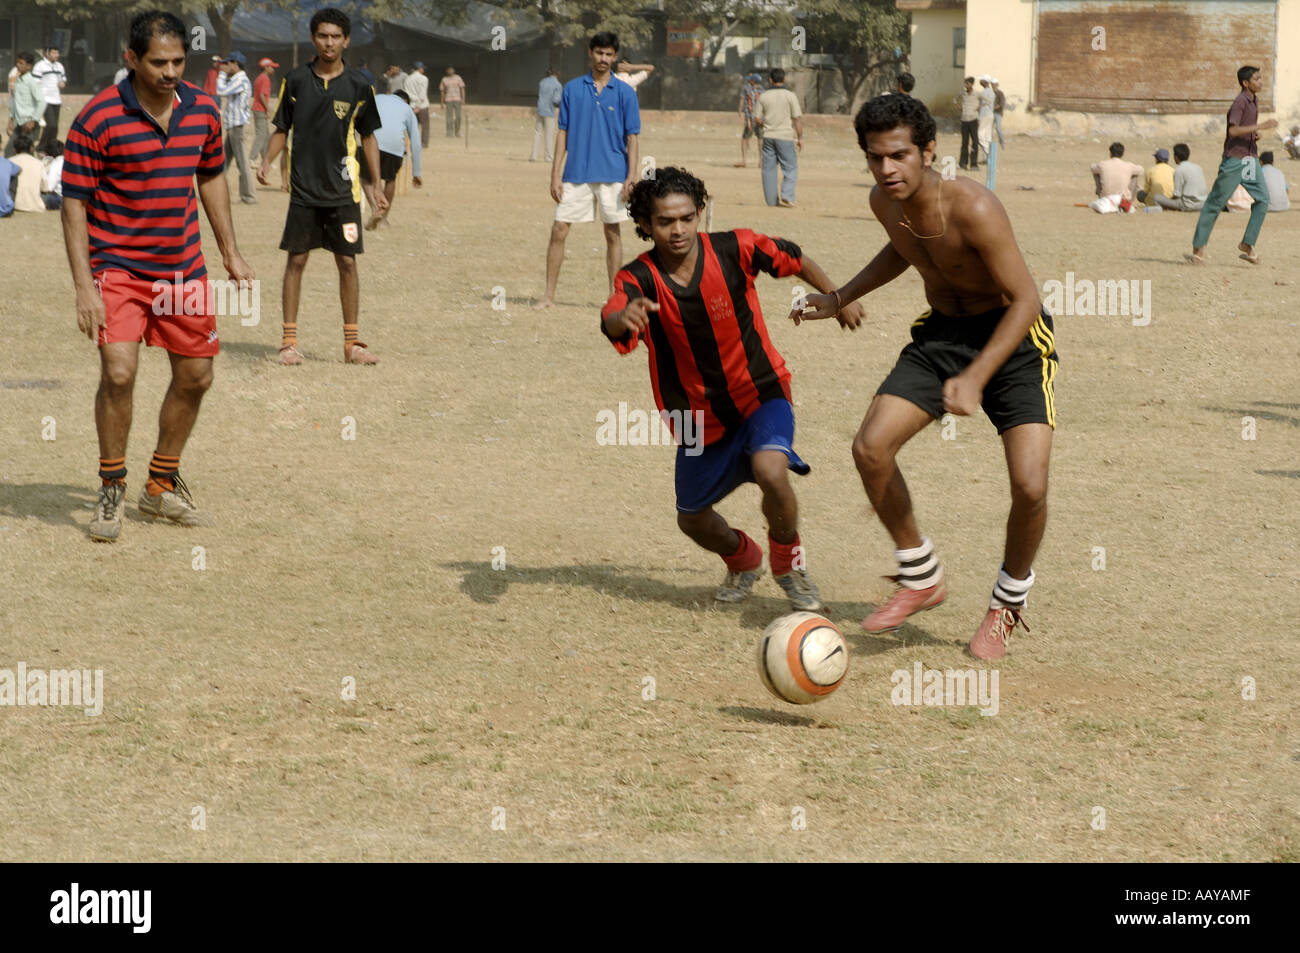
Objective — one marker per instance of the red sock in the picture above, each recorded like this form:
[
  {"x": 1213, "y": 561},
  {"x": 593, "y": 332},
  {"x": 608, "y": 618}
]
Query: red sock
[
  {"x": 781, "y": 555},
  {"x": 745, "y": 559}
]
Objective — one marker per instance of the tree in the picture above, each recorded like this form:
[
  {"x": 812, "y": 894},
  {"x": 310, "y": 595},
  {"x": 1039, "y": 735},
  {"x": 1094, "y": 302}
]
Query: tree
[{"x": 861, "y": 36}]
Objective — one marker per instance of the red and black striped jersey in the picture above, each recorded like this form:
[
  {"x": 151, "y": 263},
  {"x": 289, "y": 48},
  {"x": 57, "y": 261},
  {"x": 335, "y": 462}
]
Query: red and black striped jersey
[
  {"x": 709, "y": 348},
  {"x": 138, "y": 181}
]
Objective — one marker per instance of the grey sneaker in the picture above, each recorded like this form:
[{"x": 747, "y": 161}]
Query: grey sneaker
[
  {"x": 738, "y": 585},
  {"x": 174, "y": 505},
  {"x": 802, "y": 591},
  {"x": 108, "y": 513}
]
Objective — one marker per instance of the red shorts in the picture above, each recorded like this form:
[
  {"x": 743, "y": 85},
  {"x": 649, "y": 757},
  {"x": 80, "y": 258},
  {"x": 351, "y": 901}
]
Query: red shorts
[{"x": 180, "y": 318}]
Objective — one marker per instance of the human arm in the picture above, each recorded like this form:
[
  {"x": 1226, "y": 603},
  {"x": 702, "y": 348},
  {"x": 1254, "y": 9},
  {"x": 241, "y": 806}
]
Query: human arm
[
  {"x": 557, "y": 166},
  {"x": 850, "y": 315},
  {"x": 273, "y": 149},
  {"x": 76, "y": 239},
  {"x": 633, "y": 163},
  {"x": 413, "y": 134},
  {"x": 798, "y": 133},
  {"x": 215, "y": 196},
  {"x": 370, "y": 148}
]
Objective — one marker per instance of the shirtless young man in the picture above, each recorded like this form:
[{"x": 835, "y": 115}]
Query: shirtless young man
[{"x": 986, "y": 340}]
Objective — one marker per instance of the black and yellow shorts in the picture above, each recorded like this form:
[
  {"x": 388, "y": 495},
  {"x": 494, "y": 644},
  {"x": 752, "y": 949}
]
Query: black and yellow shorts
[{"x": 1021, "y": 392}]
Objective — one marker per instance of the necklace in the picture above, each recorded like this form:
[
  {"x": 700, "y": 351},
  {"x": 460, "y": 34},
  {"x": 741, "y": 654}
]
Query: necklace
[{"x": 907, "y": 222}]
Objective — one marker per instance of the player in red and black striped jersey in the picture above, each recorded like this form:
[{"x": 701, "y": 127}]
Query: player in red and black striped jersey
[
  {"x": 717, "y": 378},
  {"x": 131, "y": 226}
]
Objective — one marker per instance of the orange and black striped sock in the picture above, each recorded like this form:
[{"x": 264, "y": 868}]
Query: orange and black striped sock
[
  {"x": 162, "y": 470},
  {"x": 112, "y": 469},
  {"x": 349, "y": 336},
  {"x": 290, "y": 334}
]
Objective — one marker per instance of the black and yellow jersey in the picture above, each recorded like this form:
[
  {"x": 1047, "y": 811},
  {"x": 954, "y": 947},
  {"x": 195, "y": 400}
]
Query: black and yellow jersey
[{"x": 328, "y": 118}]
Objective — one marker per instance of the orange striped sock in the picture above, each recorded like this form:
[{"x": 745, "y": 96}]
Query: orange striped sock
[
  {"x": 112, "y": 469},
  {"x": 162, "y": 468},
  {"x": 290, "y": 334},
  {"x": 349, "y": 336}
]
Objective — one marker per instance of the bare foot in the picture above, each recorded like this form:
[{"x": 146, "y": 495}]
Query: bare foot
[
  {"x": 542, "y": 304},
  {"x": 1248, "y": 253}
]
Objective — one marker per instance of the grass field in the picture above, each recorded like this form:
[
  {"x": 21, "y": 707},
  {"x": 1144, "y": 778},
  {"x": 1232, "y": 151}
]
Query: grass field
[{"x": 516, "y": 695}]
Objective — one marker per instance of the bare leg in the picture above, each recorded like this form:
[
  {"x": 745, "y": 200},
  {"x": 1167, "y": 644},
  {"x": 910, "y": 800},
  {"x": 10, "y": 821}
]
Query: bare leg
[
  {"x": 613, "y": 252},
  {"x": 349, "y": 287},
  {"x": 292, "y": 288},
  {"x": 890, "y": 422},
  {"x": 1028, "y": 448},
  {"x": 709, "y": 530},
  {"x": 554, "y": 258},
  {"x": 113, "y": 405},
  {"x": 780, "y": 506},
  {"x": 191, "y": 378}
]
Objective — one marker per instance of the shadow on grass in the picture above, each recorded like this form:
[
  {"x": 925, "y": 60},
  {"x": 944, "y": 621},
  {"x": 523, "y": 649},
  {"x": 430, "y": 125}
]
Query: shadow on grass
[
  {"x": 59, "y": 504},
  {"x": 251, "y": 349},
  {"x": 768, "y": 716},
  {"x": 486, "y": 586}
]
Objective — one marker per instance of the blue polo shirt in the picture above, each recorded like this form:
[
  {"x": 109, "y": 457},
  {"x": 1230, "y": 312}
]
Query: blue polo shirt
[{"x": 597, "y": 128}]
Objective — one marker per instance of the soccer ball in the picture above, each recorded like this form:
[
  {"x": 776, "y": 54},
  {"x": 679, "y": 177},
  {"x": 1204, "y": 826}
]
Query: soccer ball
[{"x": 802, "y": 658}]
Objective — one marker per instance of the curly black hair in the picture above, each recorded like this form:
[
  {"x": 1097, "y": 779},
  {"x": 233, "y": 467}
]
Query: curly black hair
[
  {"x": 891, "y": 111},
  {"x": 669, "y": 180}
]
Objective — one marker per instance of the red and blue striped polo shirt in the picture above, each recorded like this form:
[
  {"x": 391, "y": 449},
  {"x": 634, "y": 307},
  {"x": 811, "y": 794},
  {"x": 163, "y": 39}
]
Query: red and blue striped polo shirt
[{"x": 138, "y": 182}]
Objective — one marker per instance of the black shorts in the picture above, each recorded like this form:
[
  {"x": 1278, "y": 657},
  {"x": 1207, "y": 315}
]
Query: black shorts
[
  {"x": 1021, "y": 392},
  {"x": 389, "y": 166},
  {"x": 336, "y": 228}
]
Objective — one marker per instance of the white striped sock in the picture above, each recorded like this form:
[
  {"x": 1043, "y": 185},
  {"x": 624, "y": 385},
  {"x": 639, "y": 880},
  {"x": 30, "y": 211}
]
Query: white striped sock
[{"x": 1009, "y": 592}]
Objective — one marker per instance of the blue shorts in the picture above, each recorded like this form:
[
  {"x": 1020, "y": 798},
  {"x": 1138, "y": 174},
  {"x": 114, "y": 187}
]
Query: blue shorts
[{"x": 707, "y": 478}]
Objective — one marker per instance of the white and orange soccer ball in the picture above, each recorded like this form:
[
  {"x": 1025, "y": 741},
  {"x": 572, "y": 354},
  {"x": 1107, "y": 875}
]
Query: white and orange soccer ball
[{"x": 802, "y": 658}]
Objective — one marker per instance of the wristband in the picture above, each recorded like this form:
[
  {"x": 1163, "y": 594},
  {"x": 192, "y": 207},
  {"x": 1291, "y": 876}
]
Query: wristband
[{"x": 838, "y": 306}]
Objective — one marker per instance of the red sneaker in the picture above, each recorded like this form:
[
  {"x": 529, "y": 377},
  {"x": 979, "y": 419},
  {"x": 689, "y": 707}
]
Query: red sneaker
[
  {"x": 990, "y": 642},
  {"x": 903, "y": 603}
]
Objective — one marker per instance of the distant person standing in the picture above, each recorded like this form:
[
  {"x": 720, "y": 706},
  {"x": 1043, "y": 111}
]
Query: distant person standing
[
  {"x": 328, "y": 107},
  {"x": 396, "y": 77},
  {"x": 549, "y": 92},
  {"x": 1278, "y": 200},
  {"x": 210, "y": 81},
  {"x": 236, "y": 94},
  {"x": 780, "y": 116},
  {"x": 970, "y": 125},
  {"x": 417, "y": 89},
  {"x": 1239, "y": 166},
  {"x": 596, "y": 156},
  {"x": 262, "y": 107},
  {"x": 999, "y": 104},
  {"x": 749, "y": 93},
  {"x": 26, "y": 101},
  {"x": 451, "y": 95},
  {"x": 905, "y": 83},
  {"x": 985, "y": 116},
  {"x": 1189, "y": 184},
  {"x": 49, "y": 72}
]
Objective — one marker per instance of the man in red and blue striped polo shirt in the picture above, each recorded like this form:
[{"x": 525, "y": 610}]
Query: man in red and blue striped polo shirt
[
  {"x": 131, "y": 225},
  {"x": 717, "y": 378}
]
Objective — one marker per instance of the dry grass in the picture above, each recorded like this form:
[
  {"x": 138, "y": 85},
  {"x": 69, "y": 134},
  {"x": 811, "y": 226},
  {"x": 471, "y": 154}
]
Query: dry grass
[{"x": 522, "y": 688}]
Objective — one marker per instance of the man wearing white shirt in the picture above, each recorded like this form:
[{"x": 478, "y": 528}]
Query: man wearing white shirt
[
  {"x": 49, "y": 72},
  {"x": 236, "y": 94},
  {"x": 417, "y": 88},
  {"x": 634, "y": 74},
  {"x": 398, "y": 123}
]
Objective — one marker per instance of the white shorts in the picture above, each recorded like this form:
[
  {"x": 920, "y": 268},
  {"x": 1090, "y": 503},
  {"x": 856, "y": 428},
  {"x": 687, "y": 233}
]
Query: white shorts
[{"x": 578, "y": 203}]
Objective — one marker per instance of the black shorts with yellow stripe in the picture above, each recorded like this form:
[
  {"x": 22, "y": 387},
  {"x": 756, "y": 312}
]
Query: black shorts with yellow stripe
[{"x": 1021, "y": 392}]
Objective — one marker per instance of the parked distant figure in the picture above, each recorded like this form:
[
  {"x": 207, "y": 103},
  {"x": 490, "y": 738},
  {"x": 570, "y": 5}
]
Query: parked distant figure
[
  {"x": 1116, "y": 176},
  {"x": 52, "y": 180},
  {"x": 999, "y": 104},
  {"x": 261, "y": 107},
  {"x": 1292, "y": 143},
  {"x": 549, "y": 92},
  {"x": 985, "y": 115},
  {"x": 634, "y": 74},
  {"x": 49, "y": 72},
  {"x": 451, "y": 94},
  {"x": 210, "y": 81},
  {"x": 396, "y": 77},
  {"x": 1278, "y": 200},
  {"x": 1189, "y": 184},
  {"x": 906, "y": 83},
  {"x": 781, "y": 117},
  {"x": 26, "y": 101},
  {"x": 31, "y": 175}
]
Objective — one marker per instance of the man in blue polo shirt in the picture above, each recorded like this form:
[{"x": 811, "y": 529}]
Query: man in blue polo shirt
[{"x": 599, "y": 124}]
